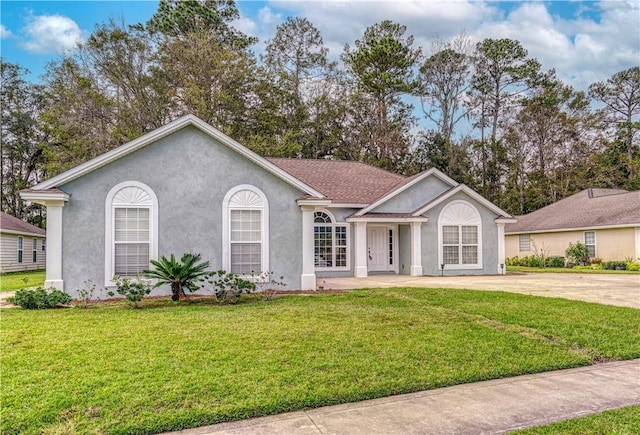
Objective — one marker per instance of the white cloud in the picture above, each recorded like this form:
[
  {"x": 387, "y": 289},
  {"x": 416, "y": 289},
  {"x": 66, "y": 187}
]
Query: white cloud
[
  {"x": 598, "y": 41},
  {"x": 343, "y": 21},
  {"x": 48, "y": 34},
  {"x": 582, "y": 50},
  {"x": 4, "y": 32}
]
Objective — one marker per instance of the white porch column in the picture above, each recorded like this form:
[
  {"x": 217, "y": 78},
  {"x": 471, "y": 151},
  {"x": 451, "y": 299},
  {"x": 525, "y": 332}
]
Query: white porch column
[
  {"x": 501, "y": 249},
  {"x": 308, "y": 277},
  {"x": 416, "y": 249},
  {"x": 360, "y": 269},
  {"x": 54, "y": 245},
  {"x": 637, "y": 253}
]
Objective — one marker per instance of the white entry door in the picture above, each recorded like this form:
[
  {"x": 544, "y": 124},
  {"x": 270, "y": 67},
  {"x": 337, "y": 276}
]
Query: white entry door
[{"x": 378, "y": 258}]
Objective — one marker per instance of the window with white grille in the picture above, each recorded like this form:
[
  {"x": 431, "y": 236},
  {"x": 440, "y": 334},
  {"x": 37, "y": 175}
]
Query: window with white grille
[
  {"x": 590, "y": 241},
  {"x": 460, "y": 236},
  {"x": 245, "y": 231},
  {"x": 330, "y": 242},
  {"x": 246, "y": 241},
  {"x": 131, "y": 230},
  {"x": 131, "y": 240}
]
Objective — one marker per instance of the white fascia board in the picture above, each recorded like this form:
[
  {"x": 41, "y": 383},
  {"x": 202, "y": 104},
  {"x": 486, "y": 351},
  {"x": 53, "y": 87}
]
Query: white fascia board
[
  {"x": 405, "y": 186},
  {"x": 40, "y": 197},
  {"x": 166, "y": 130},
  {"x": 564, "y": 230},
  {"x": 319, "y": 202},
  {"x": 22, "y": 233},
  {"x": 386, "y": 219},
  {"x": 503, "y": 220},
  {"x": 467, "y": 190},
  {"x": 346, "y": 205}
]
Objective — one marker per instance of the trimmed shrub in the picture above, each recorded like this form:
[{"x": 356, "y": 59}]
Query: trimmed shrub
[
  {"x": 614, "y": 265},
  {"x": 555, "y": 261},
  {"x": 40, "y": 299}
]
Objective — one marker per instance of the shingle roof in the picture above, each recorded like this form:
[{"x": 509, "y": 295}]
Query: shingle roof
[
  {"x": 12, "y": 223},
  {"x": 587, "y": 209},
  {"x": 346, "y": 182}
]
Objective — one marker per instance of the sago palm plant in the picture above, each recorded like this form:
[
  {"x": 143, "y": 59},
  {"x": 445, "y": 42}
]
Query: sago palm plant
[{"x": 181, "y": 275}]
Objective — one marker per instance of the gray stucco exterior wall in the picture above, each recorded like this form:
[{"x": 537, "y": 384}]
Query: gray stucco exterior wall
[
  {"x": 414, "y": 197},
  {"x": 190, "y": 173},
  {"x": 404, "y": 245}
]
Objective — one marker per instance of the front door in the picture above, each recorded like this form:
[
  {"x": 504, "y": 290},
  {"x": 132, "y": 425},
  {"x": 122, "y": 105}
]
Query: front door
[{"x": 378, "y": 258}]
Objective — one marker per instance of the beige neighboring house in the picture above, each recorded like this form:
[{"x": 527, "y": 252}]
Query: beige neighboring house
[
  {"x": 606, "y": 220},
  {"x": 22, "y": 245}
]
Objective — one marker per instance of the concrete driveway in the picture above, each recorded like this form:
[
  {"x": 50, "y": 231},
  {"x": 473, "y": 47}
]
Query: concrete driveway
[{"x": 611, "y": 289}]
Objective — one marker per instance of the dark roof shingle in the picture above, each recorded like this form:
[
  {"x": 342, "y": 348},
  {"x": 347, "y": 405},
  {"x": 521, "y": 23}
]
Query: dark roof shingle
[
  {"x": 587, "y": 209},
  {"x": 342, "y": 181},
  {"x": 12, "y": 223}
]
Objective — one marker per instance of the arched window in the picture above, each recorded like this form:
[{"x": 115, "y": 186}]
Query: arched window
[
  {"x": 460, "y": 236},
  {"x": 330, "y": 242},
  {"x": 131, "y": 234},
  {"x": 245, "y": 230}
]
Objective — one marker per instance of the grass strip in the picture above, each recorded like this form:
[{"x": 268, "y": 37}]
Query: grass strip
[
  {"x": 17, "y": 280},
  {"x": 622, "y": 421}
]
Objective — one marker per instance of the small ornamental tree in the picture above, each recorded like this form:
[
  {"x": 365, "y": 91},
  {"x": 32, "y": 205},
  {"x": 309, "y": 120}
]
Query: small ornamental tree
[
  {"x": 577, "y": 253},
  {"x": 181, "y": 275}
]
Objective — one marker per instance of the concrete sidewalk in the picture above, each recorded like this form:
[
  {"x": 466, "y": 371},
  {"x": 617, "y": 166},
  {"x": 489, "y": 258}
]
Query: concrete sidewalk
[{"x": 488, "y": 407}]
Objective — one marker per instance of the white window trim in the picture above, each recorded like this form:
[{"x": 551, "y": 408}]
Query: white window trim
[
  {"x": 595, "y": 242},
  {"x": 109, "y": 243},
  {"x": 20, "y": 250},
  {"x": 226, "y": 226},
  {"x": 459, "y": 224},
  {"x": 34, "y": 250},
  {"x": 333, "y": 224}
]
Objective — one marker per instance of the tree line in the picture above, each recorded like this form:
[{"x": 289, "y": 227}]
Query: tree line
[{"x": 498, "y": 122}]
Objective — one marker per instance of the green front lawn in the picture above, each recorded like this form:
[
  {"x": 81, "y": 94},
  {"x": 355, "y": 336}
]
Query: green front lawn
[
  {"x": 17, "y": 280},
  {"x": 616, "y": 421},
  {"x": 567, "y": 270},
  {"x": 170, "y": 366}
]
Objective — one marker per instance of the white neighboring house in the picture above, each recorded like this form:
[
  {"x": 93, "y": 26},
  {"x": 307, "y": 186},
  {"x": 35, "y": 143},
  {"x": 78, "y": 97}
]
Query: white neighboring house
[{"x": 22, "y": 245}]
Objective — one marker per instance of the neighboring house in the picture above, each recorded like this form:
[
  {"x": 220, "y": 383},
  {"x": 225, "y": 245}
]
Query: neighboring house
[
  {"x": 187, "y": 187},
  {"x": 606, "y": 220},
  {"x": 22, "y": 245}
]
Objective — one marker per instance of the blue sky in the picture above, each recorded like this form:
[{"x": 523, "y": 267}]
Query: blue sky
[{"x": 584, "y": 41}]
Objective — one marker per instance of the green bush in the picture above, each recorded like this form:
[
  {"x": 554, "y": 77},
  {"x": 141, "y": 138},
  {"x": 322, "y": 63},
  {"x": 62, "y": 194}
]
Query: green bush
[
  {"x": 614, "y": 265},
  {"x": 226, "y": 287},
  {"x": 577, "y": 253},
  {"x": 535, "y": 261},
  {"x": 633, "y": 266},
  {"x": 555, "y": 261},
  {"x": 132, "y": 289},
  {"x": 180, "y": 275},
  {"x": 39, "y": 299}
]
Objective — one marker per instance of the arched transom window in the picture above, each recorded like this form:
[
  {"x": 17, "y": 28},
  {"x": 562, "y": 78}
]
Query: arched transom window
[
  {"x": 330, "y": 242},
  {"x": 131, "y": 229},
  {"x": 460, "y": 236},
  {"x": 246, "y": 215}
]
